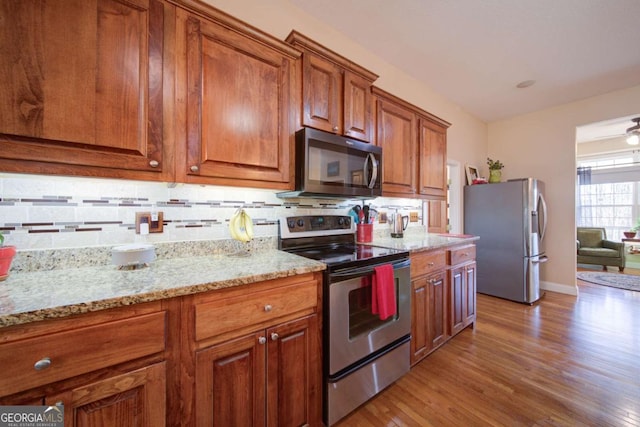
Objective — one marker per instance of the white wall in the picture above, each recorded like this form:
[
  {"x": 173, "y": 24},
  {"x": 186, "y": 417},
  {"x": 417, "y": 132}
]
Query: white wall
[
  {"x": 467, "y": 136},
  {"x": 542, "y": 145}
]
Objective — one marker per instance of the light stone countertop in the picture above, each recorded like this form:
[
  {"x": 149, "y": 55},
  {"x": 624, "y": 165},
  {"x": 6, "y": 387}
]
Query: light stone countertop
[
  {"x": 32, "y": 296},
  {"x": 418, "y": 242},
  {"x": 37, "y": 293}
]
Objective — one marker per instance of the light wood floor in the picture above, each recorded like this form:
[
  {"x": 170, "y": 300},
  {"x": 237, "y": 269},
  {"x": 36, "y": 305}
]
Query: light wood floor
[{"x": 566, "y": 361}]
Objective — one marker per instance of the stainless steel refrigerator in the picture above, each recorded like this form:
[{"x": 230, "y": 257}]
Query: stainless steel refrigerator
[{"x": 511, "y": 219}]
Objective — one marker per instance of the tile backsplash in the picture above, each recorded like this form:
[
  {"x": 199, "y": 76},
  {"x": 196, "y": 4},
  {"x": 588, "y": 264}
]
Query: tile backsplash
[{"x": 52, "y": 212}]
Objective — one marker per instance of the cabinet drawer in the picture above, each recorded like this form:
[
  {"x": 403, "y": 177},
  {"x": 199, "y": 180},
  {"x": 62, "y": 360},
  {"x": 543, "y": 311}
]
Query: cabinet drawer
[
  {"x": 426, "y": 262},
  {"x": 227, "y": 314},
  {"x": 79, "y": 351},
  {"x": 461, "y": 255}
]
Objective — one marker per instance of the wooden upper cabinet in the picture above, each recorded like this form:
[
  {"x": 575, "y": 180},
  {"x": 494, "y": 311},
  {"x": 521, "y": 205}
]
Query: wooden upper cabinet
[
  {"x": 81, "y": 87},
  {"x": 336, "y": 93},
  {"x": 239, "y": 90},
  {"x": 414, "y": 148},
  {"x": 395, "y": 133},
  {"x": 432, "y": 159}
]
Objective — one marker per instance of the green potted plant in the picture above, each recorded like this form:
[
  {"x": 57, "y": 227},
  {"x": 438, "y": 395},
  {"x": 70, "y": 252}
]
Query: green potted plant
[
  {"x": 495, "y": 170},
  {"x": 6, "y": 257}
]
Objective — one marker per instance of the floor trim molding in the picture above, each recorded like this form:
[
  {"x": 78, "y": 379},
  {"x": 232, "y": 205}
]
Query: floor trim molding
[{"x": 559, "y": 287}]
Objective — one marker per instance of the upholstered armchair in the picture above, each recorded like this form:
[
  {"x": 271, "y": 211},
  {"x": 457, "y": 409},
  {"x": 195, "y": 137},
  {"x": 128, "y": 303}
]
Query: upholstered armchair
[{"x": 594, "y": 248}]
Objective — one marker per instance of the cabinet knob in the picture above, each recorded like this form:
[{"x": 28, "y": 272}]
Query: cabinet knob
[
  {"x": 335, "y": 128},
  {"x": 154, "y": 163},
  {"x": 194, "y": 168},
  {"x": 262, "y": 340},
  {"x": 274, "y": 336},
  {"x": 268, "y": 308},
  {"x": 42, "y": 364},
  {"x": 430, "y": 264}
]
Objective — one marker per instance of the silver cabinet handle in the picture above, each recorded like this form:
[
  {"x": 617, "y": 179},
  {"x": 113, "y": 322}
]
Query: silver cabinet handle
[
  {"x": 274, "y": 336},
  {"x": 262, "y": 340},
  {"x": 431, "y": 264},
  {"x": 42, "y": 364},
  {"x": 268, "y": 308},
  {"x": 154, "y": 163},
  {"x": 194, "y": 168},
  {"x": 335, "y": 128}
]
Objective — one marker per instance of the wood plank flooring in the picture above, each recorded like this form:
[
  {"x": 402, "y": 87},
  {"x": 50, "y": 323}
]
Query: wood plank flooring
[{"x": 566, "y": 361}]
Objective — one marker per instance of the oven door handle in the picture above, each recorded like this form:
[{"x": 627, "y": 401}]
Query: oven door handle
[{"x": 364, "y": 271}]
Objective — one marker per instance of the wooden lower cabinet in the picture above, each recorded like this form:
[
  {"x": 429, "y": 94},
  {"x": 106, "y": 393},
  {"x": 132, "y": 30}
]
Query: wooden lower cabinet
[
  {"x": 255, "y": 355},
  {"x": 429, "y": 314},
  {"x": 133, "y": 399},
  {"x": 443, "y": 301},
  {"x": 267, "y": 378},
  {"x": 107, "y": 368},
  {"x": 462, "y": 281}
]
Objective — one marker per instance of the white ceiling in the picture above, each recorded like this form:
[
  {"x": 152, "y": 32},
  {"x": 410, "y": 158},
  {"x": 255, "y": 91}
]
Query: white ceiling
[{"x": 474, "y": 52}]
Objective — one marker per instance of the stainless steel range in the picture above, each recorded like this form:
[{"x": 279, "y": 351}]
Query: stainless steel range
[{"x": 363, "y": 351}]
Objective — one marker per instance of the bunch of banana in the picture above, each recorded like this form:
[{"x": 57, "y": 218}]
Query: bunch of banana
[{"x": 241, "y": 226}]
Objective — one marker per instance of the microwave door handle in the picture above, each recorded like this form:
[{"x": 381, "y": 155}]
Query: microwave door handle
[{"x": 374, "y": 169}]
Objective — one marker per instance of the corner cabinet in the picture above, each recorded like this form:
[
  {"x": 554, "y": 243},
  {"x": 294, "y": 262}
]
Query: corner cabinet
[
  {"x": 255, "y": 355},
  {"x": 82, "y": 88},
  {"x": 336, "y": 93},
  {"x": 443, "y": 302},
  {"x": 237, "y": 92},
  {"x": 415, "y": 148}
]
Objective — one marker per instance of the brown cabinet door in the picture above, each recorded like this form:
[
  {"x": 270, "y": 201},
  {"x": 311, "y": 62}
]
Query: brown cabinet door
[
  {"x": 81, "y": 84},
  {"x": 239, "y": 107},
  {"x": 470, "y": 294},
  {"x": 133, "y": 399},
  {"x": 433, "y": 159},
  {"x": 457, "y": 296},
  {"x": 322, "y": 89},
  {"x": 429, "y": 315},
  {"x": 419, "y": 302},
  {"x": 293, "y": 366},
  {"x": 230, "y": 383},
  {"x": 357, "y": 106},
  {"x": 438, "y": 220},
  {"x": 437, "y": 310},
  {"x": 396, "y": 135}
]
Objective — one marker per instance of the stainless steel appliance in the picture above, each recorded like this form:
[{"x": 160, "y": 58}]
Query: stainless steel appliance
[
  {"x": 329, "y": 165},
  {"x": 511, "y": 220},
  {"x": 398, "y": 224},
  {"x": 362, "y": 354}
]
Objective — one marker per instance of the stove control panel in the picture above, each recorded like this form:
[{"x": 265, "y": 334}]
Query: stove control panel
[{"x": 318, "y": 223}]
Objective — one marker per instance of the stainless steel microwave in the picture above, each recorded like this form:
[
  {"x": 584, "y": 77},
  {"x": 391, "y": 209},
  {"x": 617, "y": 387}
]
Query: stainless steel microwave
[{"x": 334, "y": 166}]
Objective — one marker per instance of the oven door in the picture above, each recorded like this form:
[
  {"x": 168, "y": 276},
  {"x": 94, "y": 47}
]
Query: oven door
[{"x": 354, "y": 332}]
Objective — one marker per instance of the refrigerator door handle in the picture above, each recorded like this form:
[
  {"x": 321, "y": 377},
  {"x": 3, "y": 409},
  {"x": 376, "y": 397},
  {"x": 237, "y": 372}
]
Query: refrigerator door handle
[
  {"x": 544, "y": 217},
  {"x": 540, "y": 260}
]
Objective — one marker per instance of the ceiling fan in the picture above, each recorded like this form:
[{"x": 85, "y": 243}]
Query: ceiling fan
[{"x": 633, "y": 133}]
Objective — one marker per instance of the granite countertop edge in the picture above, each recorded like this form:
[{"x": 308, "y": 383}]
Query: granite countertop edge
[
  {"x": 35, "y": 296},
  {"x": 27, "y": 297},
  {"x": 424, "y": 242}
]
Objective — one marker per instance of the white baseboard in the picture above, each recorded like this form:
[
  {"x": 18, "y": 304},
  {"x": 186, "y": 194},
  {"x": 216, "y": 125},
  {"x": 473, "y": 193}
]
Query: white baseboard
[{"x": 561, "y": 288}]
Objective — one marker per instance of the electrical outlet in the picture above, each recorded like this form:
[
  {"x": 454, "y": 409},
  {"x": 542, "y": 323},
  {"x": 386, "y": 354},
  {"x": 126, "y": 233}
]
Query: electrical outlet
[
  {"x": 154, "y": 219},
  {"x": 382, "y": 219},
  {"x": 413, "y": 216}
]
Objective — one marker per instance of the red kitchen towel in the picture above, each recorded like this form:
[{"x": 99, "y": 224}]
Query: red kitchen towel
[{"x": 383, "y": 292}]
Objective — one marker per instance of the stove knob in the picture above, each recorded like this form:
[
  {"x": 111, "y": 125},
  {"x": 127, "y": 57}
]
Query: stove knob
[
  {"x": 291, "y": 223},
  {"x": 341, "y": 221},
  {"x": 301, "y": 222}
]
